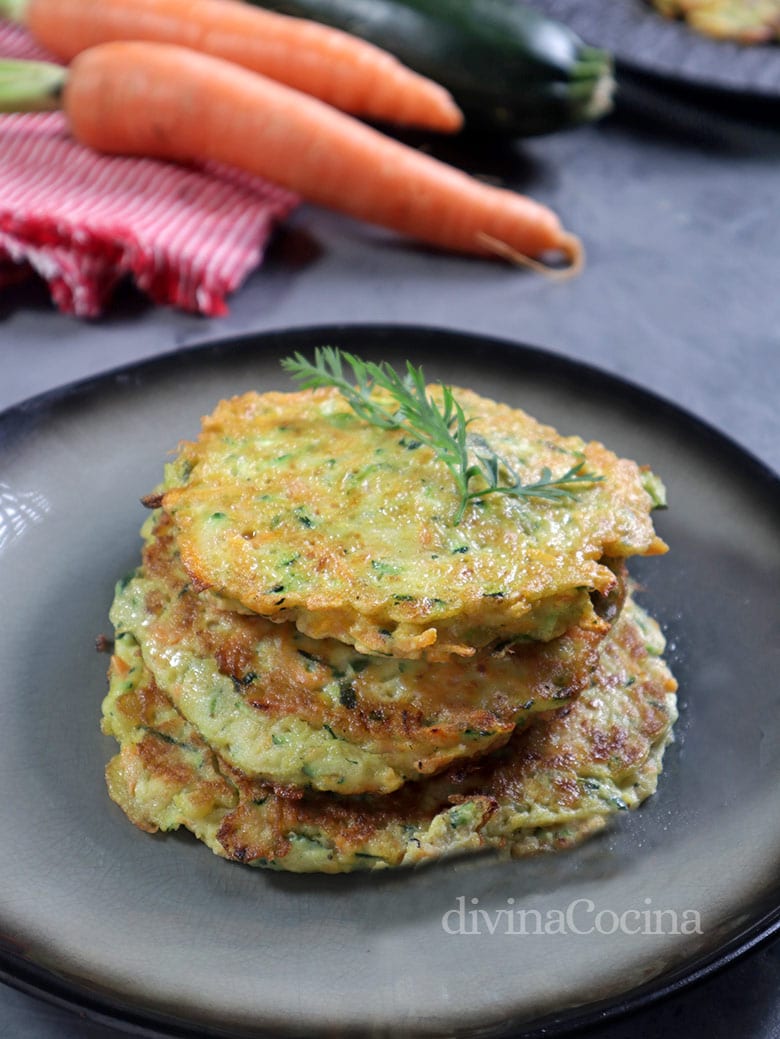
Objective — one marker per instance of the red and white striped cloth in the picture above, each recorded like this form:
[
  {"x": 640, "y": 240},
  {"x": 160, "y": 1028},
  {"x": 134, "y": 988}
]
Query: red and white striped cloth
[{"x": 82, "y": 221}]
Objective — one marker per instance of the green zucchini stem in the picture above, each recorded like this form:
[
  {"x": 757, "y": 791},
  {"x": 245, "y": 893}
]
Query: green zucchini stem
[
  {"x": 31, "y": 86},
  {"x": 13, "y": 10},
  {"x": 602, "y": 97}
]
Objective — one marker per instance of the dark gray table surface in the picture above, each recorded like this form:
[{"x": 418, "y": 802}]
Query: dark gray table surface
[{"x": 676, "y": 197}]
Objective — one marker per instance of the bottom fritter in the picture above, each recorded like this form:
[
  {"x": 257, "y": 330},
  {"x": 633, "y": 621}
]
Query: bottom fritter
[{"x": 551, "y": 786}]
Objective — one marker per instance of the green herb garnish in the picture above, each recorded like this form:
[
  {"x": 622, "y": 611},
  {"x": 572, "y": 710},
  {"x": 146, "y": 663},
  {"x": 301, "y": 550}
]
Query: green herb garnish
[{"x": 442, "y": 427}]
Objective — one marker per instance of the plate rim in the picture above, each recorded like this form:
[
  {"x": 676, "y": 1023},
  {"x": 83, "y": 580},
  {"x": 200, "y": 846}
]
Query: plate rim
[
  {"x": 22, "y": 974},
  {"x": 45, "y": 985},
  {"x": 59, "y": 394},
  {"x": 634, "y": 64}
]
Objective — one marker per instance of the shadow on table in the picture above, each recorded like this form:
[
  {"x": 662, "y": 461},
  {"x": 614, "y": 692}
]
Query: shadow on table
[
  {"x": 32, "y": 296},
  {"x": 488, "y": 156},
  {"x": 291, "y": 249},
  {"x": 699, "y": 117}
]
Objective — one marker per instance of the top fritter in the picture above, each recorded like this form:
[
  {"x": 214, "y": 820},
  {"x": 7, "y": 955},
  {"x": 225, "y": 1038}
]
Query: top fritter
[{"x": 297, "y": 508}]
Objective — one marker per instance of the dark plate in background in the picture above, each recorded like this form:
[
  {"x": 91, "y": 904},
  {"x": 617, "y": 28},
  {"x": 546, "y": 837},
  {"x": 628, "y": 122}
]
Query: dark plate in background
[
  {"x": 642, "y": 40},
  {"x": 156, "y": 932}
]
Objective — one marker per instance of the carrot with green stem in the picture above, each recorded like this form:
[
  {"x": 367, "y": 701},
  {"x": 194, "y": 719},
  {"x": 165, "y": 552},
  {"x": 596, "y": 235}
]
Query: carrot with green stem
[
  {"x": 172, "y": 103},
  {"x": 338, "y": 68}
]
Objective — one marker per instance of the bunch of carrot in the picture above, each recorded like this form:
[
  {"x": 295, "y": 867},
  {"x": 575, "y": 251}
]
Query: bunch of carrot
[{"x": 218, "y": 79}]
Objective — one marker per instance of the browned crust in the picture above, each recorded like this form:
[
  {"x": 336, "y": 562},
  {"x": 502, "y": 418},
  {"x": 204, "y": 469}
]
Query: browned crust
[
  {"x": 557, "y": 672},
  {"x": 542, "y": 766}
]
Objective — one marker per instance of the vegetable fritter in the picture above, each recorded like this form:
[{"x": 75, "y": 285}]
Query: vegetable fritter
[
  {"x": 294, "y": 507},
  {"x": 743, "y": 21},
  {"x": 548, "y": 788},
  {"x": 298, "y": 711}
]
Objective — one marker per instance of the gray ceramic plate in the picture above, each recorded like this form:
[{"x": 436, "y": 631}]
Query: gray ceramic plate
[
  {"x": 156, "y": 932},
  {"x": 644, "y": 40}
]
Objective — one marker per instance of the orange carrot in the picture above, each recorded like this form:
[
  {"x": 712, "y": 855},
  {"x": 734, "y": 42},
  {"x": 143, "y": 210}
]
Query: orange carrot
[
  {"x": 348, "y": 73},
  {"x": 158, "y": 100}
]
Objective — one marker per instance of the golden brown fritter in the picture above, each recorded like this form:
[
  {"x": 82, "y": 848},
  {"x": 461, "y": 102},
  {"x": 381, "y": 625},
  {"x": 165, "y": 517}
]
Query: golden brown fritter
[
  {"x": 292, "y": 506},
  {"x": 548, "y": 788},
  {"x": 297, "y": 711},
  {"x": 743, "y": 21}
]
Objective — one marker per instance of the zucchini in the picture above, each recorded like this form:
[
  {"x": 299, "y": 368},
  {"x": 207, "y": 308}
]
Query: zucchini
[{"x": 509, "y": 68}]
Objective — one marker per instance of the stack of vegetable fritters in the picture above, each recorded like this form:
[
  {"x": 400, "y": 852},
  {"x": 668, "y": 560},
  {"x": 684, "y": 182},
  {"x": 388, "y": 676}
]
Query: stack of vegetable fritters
[{"x": 326, "y": 663}]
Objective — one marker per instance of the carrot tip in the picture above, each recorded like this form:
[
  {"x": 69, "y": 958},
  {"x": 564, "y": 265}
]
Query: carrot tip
[
  {"x": 574, "y": 251},
  {"x": 570, "y": 246},
  {"x": 452, "y": 119}
]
